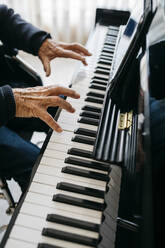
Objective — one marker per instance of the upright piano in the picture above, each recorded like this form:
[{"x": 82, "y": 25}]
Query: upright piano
[{"x": 92, "y": 183}]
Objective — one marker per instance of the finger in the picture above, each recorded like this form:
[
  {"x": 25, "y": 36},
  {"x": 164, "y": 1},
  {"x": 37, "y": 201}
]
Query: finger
[
  {"x": 46, "y": 65},
  {"x": 57, "y": 101},
  {"x": 48, "y": 119},
  {"x": 76, "y": 47},
  {"x": 71, "y": 54},
  {"x": 63, "y": 91}
]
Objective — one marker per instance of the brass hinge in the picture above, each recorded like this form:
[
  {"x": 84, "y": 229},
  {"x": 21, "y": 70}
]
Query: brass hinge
[{"x": 125, "y": 120}]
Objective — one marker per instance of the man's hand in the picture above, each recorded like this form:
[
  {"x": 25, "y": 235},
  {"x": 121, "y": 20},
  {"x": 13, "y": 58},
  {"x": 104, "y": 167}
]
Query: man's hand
[
  {"x": 33, "y": 102},
  {"x": 51, "y": 49}
]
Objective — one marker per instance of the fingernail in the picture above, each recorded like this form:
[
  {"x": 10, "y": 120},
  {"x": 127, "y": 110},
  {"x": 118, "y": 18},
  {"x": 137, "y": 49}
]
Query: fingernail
[
  {"x": 77, "y": 95},
  {"x": 73, "y": 110},
  {"x": 59, "y": 129}
]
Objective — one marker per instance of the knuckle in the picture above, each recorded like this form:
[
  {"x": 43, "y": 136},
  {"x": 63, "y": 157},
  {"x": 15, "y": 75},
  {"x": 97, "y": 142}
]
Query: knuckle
[{"x": 57, "y": 99}]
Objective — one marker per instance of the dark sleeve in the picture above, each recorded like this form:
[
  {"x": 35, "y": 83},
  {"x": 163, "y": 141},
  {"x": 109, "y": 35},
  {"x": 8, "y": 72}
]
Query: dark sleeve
[
  {"x": 17, "y": 33},
  {"x": 7, "y": 104}
]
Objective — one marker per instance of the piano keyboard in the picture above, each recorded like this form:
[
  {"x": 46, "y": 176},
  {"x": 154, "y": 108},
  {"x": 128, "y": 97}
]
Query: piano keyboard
[{"x": 73, "y": 200}]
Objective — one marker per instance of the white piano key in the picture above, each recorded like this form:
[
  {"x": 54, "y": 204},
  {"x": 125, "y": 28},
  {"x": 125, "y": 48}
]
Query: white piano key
[
  {"x": 32, "y": 209},
  {"x": 64, "y": 137},
  {"x": 55, "y": 172},
  {"x": 52, "y": 145},
  {"x": 66, "y": 176},
  {"x": 37, "y": 223},
  {"x": 35, "y": 237},
  {"x": 101, "y": 75},
  {"x": 81, "y": 103},
  {"x": 50, "y": 191},
  {"x": 52, "y": 162},
  {"x": 70, "y": 127},
  {"x": 86, "y": 90},
  {"x": 52, "y": 180},
  {"x": 14, "y": 243},
  {"x": 55, "y": 162},
  {"x": 104, "y": 66},
  {"x": 78, "y": 125},
  {"x": 43, "y": 200},
  {"x": 56, "y": 154},
  {"x": 47, "y": 170}
]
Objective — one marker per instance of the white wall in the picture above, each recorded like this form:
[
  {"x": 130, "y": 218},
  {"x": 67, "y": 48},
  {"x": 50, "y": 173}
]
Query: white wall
[{"x": 67, "y": 20}]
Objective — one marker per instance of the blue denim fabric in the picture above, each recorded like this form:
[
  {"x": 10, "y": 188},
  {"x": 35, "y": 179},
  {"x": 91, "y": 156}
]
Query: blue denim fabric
[
  {"x": 17, "y": 157},
  {"x": 157, "y": 121}
]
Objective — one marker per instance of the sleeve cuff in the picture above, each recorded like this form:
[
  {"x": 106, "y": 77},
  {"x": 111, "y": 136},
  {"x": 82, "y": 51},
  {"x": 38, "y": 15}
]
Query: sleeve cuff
[
  {"x": 37, "y": 41},
  {"x": 7, "y": 104}
]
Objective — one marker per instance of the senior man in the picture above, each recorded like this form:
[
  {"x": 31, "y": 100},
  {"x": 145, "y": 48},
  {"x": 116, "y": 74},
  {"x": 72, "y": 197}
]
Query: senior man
[{"x": 17, "y": 156}]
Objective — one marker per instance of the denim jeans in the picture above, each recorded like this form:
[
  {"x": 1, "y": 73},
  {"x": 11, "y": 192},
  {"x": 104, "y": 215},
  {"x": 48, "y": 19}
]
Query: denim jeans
[
  {"x": 17, "y": 157},
  {"x": 157, "y": 121},
  {"x": 157, "y": 111}
]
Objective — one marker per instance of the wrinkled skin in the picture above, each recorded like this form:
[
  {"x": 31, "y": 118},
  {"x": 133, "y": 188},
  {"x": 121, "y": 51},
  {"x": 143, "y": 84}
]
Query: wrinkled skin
[
  {"x": 51, "y": 49},
  {"x": 33, "y": 102}
]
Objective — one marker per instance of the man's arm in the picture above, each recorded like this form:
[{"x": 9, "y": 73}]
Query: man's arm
[
  {"x": 17, "y": 33},
  {"x": 7, "y": 104}
]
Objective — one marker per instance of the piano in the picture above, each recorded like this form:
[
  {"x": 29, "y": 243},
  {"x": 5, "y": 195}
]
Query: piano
[{"x": 86, "y": 187}]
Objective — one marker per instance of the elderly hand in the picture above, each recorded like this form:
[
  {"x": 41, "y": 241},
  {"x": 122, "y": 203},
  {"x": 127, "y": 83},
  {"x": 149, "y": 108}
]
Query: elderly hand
[
  {"x": 33, "y": 102},
  {"x": 51, "y": 49}
]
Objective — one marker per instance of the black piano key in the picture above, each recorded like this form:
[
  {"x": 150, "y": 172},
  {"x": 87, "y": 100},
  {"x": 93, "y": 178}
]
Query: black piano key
[
  {"x": 94, "y": 94},
  {"x": 83, "y": 140},
  {"x": 91, "y": 114},
  {"x": 112, "y": 41},
  {"x": 100, "y": 78},
  {"x": 116, "y": 28},
  {"x": 106, "y": 56},
  {"x": 108, "y": 47},
  {"x": 103, "y": 68},
  {"x": 72, "y": 222},
  {"x": 107, "y": 42},
  {"x": 78, "y": 202},
  {"x": 86, "y": 132},
  {"x": 75, "y": 238},
  {"x": 94, "y": 100},
  {"x": 104, "y": 62},
  {"x": 91, "y": 108},
  {"x": 106, "y": 51},
  {"x": 80, "y": 189},
  {"x": 80, "y": 152},
  {"x": 44, "y": 245},
  {"x": 87, "y": 163},
  {"x": 113, "y": 33},
  {"x": 89, "y": 121},
  {"x": 97, "y": 87},
  {"x": 102, "y": 71},
  {"x": 85, "y": 173},
  {"x": 99, "y": 82}
]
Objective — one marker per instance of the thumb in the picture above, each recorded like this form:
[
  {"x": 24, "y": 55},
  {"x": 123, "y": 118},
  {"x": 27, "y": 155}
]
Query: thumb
[{"x": 46, "y": 65}]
